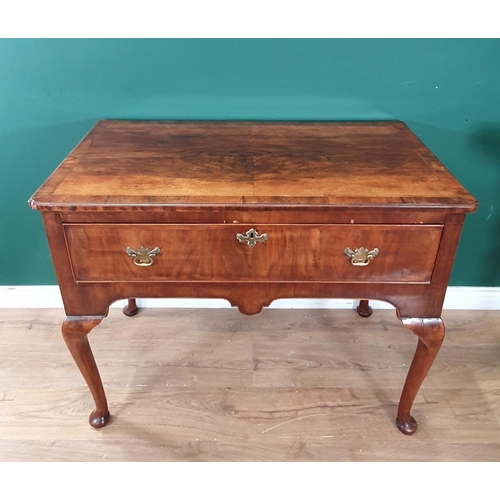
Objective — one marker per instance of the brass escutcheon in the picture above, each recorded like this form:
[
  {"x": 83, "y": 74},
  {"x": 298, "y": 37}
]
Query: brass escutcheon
[
  {"x": 251, "y": 237},
  {"x": 142, "y": 256},
  {"x": 361, "y": 256}
]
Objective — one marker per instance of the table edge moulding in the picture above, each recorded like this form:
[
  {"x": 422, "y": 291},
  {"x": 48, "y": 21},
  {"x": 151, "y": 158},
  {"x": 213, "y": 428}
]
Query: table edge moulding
[{"x": 253, "y": 212}]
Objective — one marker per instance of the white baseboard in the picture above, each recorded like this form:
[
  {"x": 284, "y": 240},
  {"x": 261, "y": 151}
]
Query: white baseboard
[{"x": 48, "y": 296}]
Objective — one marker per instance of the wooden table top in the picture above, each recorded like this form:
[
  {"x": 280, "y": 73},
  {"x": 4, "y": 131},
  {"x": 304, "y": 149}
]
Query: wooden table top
[{"x": 145, "y": 165}]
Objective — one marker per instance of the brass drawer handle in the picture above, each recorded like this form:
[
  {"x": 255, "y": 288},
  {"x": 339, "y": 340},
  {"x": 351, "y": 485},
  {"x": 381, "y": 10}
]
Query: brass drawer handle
[
  {"x": 251, "y": 237},
  {"x": 142, "y": 256},
  {"x": 361, "y": 256}
]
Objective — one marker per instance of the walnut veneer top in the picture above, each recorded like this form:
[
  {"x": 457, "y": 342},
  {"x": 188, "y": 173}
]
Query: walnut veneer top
[{"x": 144, "y": 165}]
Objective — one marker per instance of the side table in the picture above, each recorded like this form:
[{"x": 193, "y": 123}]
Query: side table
[{"x": 252, "y": 212}]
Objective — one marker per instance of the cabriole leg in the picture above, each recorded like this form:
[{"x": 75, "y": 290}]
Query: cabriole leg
[
  {"x": 74, "y": 331},
  {"x": 430, "y": 333}
]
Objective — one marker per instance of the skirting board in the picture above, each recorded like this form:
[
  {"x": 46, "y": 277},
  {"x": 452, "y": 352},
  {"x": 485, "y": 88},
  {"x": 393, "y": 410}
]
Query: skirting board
[{"x": 48, "y": 296}]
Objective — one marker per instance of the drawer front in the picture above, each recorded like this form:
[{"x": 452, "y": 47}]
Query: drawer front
[{"x": 291, "y": 252}]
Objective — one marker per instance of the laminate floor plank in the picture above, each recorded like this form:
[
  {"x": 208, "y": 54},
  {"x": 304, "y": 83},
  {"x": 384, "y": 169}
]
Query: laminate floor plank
[
  {"x": 138, "y": 450},
  {"x": 424, "y": 451},
  {"x": 215, "y": 385}
]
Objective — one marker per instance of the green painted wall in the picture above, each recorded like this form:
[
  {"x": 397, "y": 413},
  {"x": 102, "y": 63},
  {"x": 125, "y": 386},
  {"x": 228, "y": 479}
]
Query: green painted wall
[{"x": 53, "y": 91}]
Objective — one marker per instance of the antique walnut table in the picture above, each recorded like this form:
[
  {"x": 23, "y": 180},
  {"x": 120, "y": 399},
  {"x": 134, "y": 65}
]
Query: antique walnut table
[{"x": 252, "y": 212}]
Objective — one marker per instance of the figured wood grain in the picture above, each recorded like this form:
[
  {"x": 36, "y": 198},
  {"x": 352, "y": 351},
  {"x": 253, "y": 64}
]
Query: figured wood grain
[
  {"x": 207, "y": 399},
  {"x": 212, "y": 252},
  {"x": 153, "y": 164}
]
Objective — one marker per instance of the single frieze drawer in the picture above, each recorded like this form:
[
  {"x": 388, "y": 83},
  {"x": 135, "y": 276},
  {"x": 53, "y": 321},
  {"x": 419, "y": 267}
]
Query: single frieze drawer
[{"x": 259, "y": 253}]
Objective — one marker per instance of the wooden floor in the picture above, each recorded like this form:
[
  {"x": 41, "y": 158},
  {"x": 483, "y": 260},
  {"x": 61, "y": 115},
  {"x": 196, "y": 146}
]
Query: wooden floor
[{"x": 214, "y": 385}]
